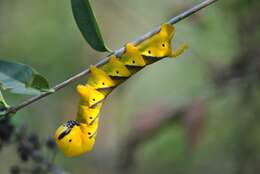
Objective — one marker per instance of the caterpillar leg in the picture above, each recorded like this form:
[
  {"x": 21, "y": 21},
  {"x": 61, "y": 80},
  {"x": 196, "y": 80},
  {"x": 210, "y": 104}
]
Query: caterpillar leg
[{"x": 179, "y": 50}]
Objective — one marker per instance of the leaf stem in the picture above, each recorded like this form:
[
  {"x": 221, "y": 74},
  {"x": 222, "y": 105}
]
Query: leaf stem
[{"x": 118, "y": 52}]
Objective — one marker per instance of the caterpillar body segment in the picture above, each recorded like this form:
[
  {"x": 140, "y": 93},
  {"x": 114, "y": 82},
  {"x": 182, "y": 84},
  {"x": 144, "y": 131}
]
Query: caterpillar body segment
[
  {"x": 132, "y": 58},
  {"x": 77, "y": 137},
  {"x": 159, "y": 46},
  {"x": 87, "y": 114},
  {"x": 115, "y": 68},
  {"x": 91, "y": 129},
  {"x": 89, "y": 96},
  {"x": 99, "y": 79}
]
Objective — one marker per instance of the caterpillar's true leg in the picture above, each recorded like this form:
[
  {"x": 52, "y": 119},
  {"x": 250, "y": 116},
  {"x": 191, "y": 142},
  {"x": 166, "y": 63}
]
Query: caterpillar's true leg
[{"x": 179, "y": 50}]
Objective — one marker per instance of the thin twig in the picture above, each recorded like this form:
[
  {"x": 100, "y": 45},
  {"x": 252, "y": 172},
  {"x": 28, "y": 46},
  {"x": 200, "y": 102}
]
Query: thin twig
[{"x": 118, "y": 52}]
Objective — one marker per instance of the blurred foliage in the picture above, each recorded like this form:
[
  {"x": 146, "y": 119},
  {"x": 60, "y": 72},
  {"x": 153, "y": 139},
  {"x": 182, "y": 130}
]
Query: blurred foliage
[
  {"x": 21, "y": 79},
  {"x": 223, "y": 40}
]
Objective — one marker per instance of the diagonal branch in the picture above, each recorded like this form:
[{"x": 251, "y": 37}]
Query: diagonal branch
[{"x": 118, "y": 52}]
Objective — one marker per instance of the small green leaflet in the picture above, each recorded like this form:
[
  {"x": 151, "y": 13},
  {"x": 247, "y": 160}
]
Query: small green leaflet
[
  {"x": 87, "y": 24},
  {"x": 3, "y": 104},
  {"x": 21, "y": 79}
]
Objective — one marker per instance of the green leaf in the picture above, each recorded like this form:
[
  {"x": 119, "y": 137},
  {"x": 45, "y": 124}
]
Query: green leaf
[
  {"x": 21, "y": 79},
  {"x": 3, "y": 104},
  {"x": 87, "y": 24}
]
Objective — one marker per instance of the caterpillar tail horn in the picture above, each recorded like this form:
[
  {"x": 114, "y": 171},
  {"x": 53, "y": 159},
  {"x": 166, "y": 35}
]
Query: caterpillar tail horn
[{"x": 179, "y": 50}]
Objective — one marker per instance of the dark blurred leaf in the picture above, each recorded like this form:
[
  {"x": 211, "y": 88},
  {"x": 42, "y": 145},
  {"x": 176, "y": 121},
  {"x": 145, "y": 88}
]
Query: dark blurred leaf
[
  {"x": 21, "y": 79},
  {"x": 87, "y": 24}
]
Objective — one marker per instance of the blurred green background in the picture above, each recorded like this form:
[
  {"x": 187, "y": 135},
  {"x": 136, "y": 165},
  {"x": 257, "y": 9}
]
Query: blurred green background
[{"x": 43, "y": 34}]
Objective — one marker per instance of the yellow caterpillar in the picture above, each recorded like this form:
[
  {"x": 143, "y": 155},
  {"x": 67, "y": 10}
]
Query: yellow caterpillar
[{"x": 76, "y": 137}]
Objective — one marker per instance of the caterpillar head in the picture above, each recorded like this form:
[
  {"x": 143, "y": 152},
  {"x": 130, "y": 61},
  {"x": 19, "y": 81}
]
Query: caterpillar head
[
  {"x": 72, "y": 139},
  {"x": 159, "y": 45}
]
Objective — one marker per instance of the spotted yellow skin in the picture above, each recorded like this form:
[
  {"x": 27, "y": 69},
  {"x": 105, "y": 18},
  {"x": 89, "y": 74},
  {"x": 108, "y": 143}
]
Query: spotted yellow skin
[
  {"x": 99, "y": 79},
  {"x": 159, "y": 45},
  {"x": 89, "y": 95},
  {"x": 115, "y": 68},
  {"x": 102, "y": 80},
  {"x": 76, "y": 142},
  {"x": 87, "y": 114},
  {"x": 132, "y": 56}
]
